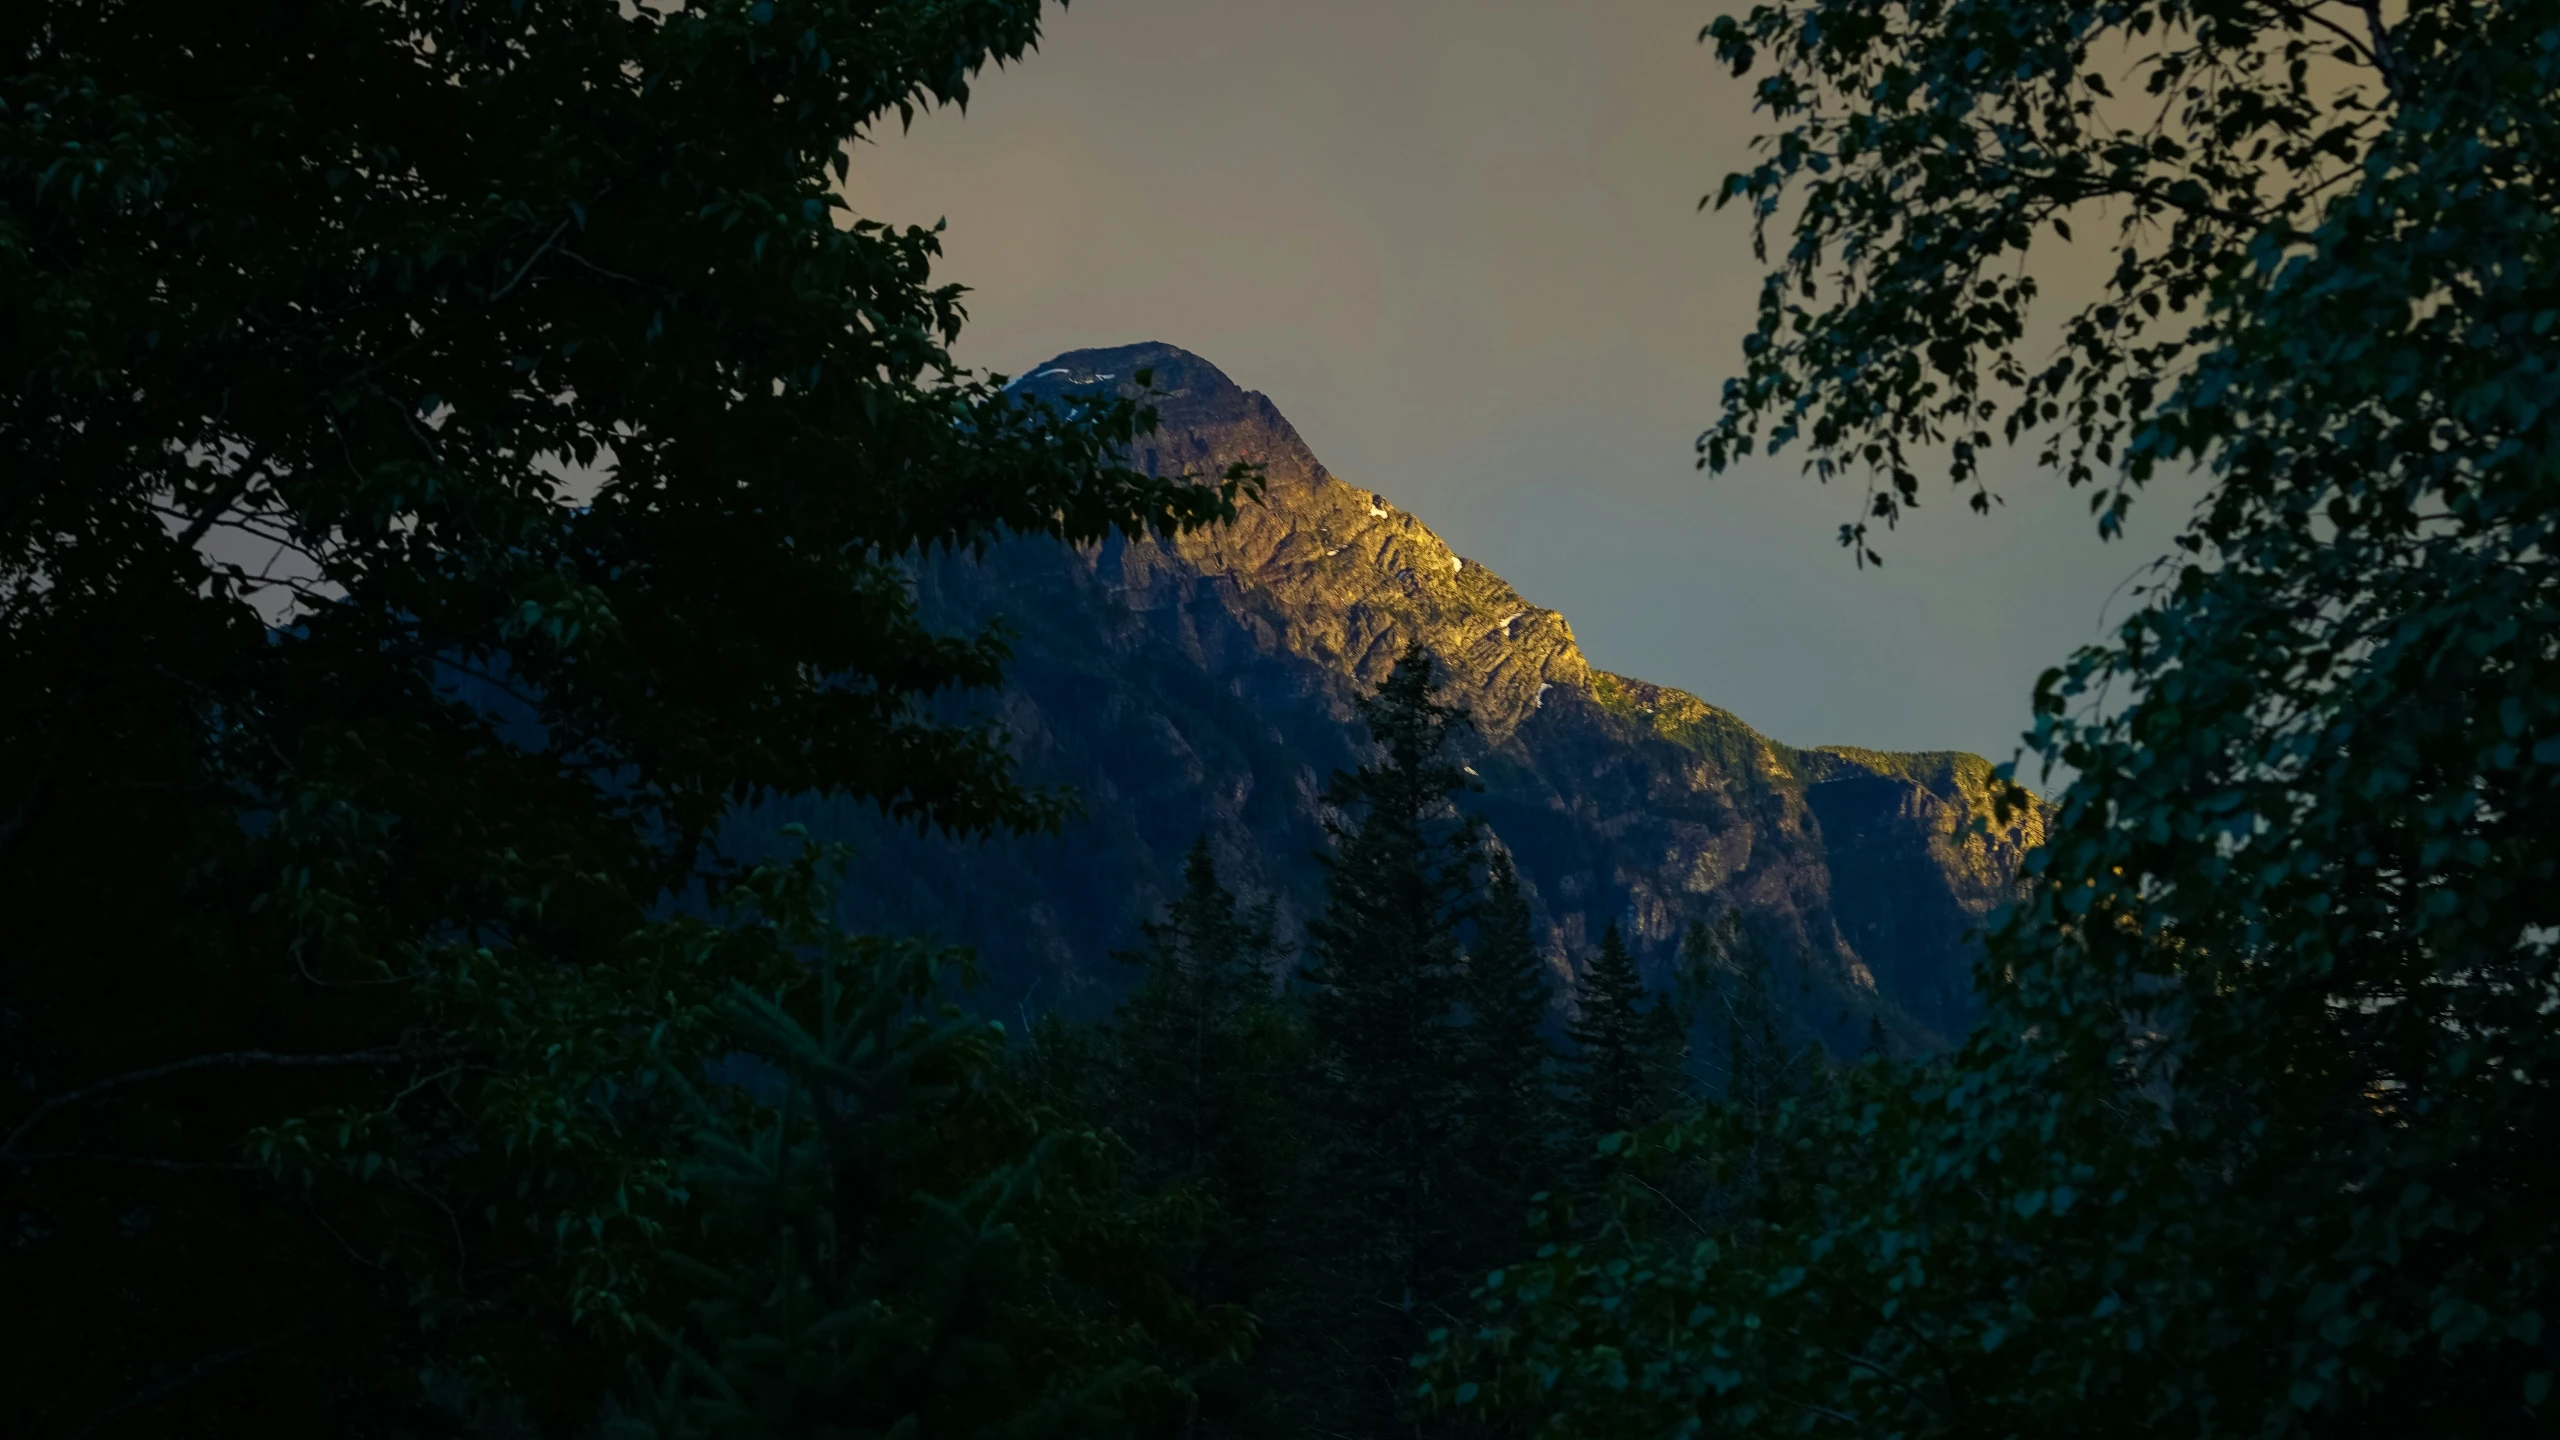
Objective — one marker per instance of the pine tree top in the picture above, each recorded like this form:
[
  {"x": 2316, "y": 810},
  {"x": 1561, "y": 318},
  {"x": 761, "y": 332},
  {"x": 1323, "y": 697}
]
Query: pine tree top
[
  {"x": 1402, "y": 876},
  {"x": 1608, "y": 995}
]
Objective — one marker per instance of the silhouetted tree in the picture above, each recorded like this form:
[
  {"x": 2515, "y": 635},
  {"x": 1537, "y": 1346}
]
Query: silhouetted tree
[
  {"x": 1190, "y": 1067},
  {"x": 1206, "y": 1070},
  {"x": 1627, "y": 1055},
  {"x": 882, "y": 1237},
  {"x": 1513, "y": 1139},
  {"x": 1757, "y": 1061},
  {"x": 1387, "y": 1009}
]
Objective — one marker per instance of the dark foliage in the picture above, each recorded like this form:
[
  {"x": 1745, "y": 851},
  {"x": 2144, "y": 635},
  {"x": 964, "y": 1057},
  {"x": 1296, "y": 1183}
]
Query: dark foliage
[
  {"x": 1517, "y": 1133},
  {"x": 2249, "y": 1142},
  {"x": 1628, "y": 1056},
  {"x": 454, "y": 454},
  {"x": 1200, "y": 1072},
  {"x": 462, "y": 460},
  {"x": 1388, "y": 983},
  {"x": 882, "y": 1238}
]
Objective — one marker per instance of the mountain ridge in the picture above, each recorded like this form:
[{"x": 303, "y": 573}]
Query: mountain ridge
[{"x": 1207, "y": 684}]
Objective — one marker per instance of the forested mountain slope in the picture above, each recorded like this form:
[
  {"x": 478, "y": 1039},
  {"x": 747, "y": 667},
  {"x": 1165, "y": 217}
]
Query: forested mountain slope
[{"x": 1206, "y": 686}]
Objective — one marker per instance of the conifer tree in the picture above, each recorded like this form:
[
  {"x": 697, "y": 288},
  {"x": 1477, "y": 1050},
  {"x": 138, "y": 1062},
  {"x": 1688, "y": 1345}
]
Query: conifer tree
[
  {"x": 884, "y": 1239},
  {"x": 1513, "y": 1120},
  {"x": 1204, "y": 1056},
  {"x": 1195, "y": 1077},
  {"x": 1665, "y": 1037},
  {"x": 1187, "y": 1033},
  {"x": 1619, "y": 1046},
  {"x": 1389, "y": 989},
  {"x": 1757, "y": 1062},
  {"x": 1759, "y": 1069}
]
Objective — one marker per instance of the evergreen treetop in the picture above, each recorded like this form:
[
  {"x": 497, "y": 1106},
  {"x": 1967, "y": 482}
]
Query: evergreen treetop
[
  {"x": 1189, "y": 1040},
  {"x": 1514, "y": 1122},
  {"x": 1387, "y": 972},
  {"x": 1628, "y": 1055},
  {"x": 1757, "y": 1059},
  {"x": 1387, "y": 1013},
  {"x": 1204, "y": 1076},
  {"x": 1208, "y": 957},
  {"x": 1509, "y": 995}
]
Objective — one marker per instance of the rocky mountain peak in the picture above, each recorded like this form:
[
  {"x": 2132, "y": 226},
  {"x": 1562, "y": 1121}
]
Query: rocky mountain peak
[
  {"x": 1205, "y": 420},
  {"x": 1207, "y": 685},
  {"x": 1345, "y": 576}
]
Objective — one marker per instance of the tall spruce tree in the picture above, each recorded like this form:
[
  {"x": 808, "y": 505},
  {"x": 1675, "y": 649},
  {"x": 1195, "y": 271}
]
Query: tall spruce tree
[
  {"x": 1513, "y": 1121},
  {"x": 1389, "y": 990},
  {"x": 1627, "y": 1054},
  {"x": 1193, "y": 1038},
  {"x": 1757, "y": 1062},
  {"x": 1756, "y": 1067},
  {"x": 1204, "y": 1058},
  {"x": 887, "y": 1237},
  {"x": 1197, "y": 1077}
]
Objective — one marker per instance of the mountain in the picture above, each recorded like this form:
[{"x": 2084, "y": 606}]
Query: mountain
[{"x": 1207, "y": 686}]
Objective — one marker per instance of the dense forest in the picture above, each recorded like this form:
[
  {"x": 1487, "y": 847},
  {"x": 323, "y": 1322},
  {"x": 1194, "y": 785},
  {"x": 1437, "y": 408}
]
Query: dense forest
[{"x": 467, "y": 457}]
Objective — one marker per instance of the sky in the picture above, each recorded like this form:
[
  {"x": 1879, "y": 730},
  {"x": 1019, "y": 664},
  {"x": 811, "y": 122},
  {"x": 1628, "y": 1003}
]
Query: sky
[{"x": 1458, "y": 243}]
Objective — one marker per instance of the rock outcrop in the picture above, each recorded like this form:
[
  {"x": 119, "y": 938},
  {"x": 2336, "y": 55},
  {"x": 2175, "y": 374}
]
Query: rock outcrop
[{"x": 1207, "y": 686}]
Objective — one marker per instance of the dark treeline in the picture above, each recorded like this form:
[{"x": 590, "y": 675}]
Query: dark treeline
[{"x": 1359, "y": 1134}]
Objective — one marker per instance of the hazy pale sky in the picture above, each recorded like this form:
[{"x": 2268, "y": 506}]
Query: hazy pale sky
[{"x": 1458, "y": 243}]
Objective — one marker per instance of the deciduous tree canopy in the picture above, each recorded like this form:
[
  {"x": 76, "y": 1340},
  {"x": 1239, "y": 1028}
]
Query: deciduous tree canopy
[
  {"x": 2250, "y": 1141},
  {"x": 453, "y": 455}
]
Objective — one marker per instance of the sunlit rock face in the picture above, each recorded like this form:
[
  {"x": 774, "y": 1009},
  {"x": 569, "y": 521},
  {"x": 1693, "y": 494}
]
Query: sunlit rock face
[{"x": 1207, "y": 686}]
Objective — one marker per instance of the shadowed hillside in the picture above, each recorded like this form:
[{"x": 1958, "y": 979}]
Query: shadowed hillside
[{"x": 1207, "y": 686}]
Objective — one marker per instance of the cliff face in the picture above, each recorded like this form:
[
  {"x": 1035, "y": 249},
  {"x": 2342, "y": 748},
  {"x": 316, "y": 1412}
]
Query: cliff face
[{"x": 1207, "y": 686}]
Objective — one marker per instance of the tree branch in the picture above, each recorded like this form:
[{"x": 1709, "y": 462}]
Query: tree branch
[
  {"x": 1825, "y": 1411},
  {"x": 2310, "y": 14},
  {"x": 230, "y": 1060},
  {"x": 2386, "y": 57},
  {"x": 223, "y": 499},
  {"x": 532, "y": 260},
  {"x": 1884, "y": 1373}
]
